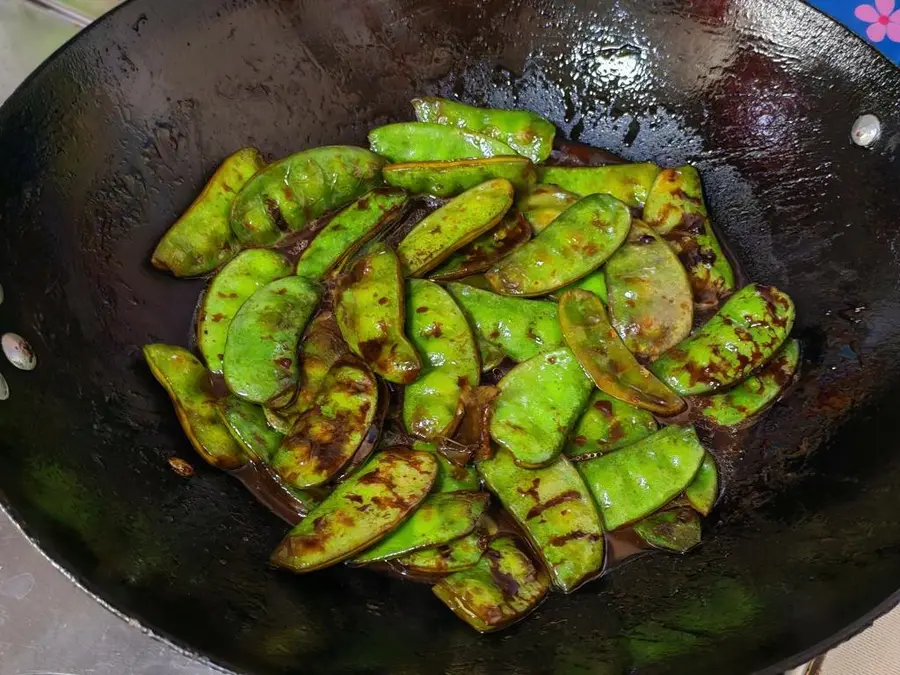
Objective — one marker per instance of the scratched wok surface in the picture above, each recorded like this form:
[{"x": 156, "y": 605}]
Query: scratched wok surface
[{"x": 116, "y": 135}]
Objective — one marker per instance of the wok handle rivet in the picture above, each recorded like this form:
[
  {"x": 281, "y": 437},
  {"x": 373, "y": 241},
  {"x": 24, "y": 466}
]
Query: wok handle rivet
[{"x": 866, "y": 130}]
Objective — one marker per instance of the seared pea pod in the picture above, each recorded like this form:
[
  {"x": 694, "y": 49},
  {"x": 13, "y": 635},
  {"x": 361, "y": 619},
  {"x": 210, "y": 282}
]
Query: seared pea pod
[
  {"x": 288, "y": 194},
  {"x": 459, "y": 554},
  {"x": 595, "y": 282},
  {"x": 703, "y": 491},
  {"x": 629, "y": 183},
  {"x": 449, "y": 179},
  {"x": 417, "y": 142},
  {"x": 451, "y": 477},
  {"x": 743, "y": 335},
  {"x": 675, "y": 530},
  {"x": 247, "y": 424},
  {"x": 606, "y": 425},
  {"x": 544, "y": 204},
  {"x": 494, "y": 245}
]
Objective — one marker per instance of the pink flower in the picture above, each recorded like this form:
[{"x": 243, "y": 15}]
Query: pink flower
[{"x": 883, "y": 19}]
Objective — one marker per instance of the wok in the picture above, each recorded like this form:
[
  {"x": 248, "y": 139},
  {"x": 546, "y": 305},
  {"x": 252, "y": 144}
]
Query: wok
[{"x": 111, "y": 139}]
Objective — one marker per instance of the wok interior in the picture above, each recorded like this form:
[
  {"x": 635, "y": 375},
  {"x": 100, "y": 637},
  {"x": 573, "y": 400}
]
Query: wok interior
[{"x": 113, "y": 139}]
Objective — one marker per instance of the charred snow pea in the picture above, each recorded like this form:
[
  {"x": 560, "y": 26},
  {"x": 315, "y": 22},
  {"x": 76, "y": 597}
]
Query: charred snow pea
[
  {"x": 432, "y": 405},
  {"x": 607, "y": 360},
  {"x": 261, "y": 350},
  {"x": 451, "y": 477},
  {"x": 526, "y": 132},
  {"x": 540, "y": 400},
  {"x": 542, "y": 206},
  {"x": 248, "y": 427},
  {"x": 229, "y": 289},
  {"x": 457, "y": 223},
  {"x": 703, "y": 491},
  {"x": 556, "y": 510},
  {"x": 629, "y": 183},
  {"x": 746, "y": 400},
  {"x": 286, "y": 195},
  {"x": 633, "y": 482},
  {"x": 743, "y": 335},
  {"x": 595, "y": 282},
  {"x": 448, "y": 179},
  {"x": 474, "y": 431},
  {"x": 417, "y": 142},
  {"x": 459, "y": 554},
  {"x": 502, "y": 588},
  {"x": 187, "y": 383},
  {"x": 606, "y": 425},
  {"x": 572, "y": 246},
  {"x": 370, "y": 310},
  {"x": 497, "y": 243},
  {"x": 676, "y": 530},
  {"x": 349, "y": 230},
  {"x": 202, "y": 239},
  {"x": 650, "y": 301},
  {"x": 675, "y": 209},
  {"x": 439, "y": 520},
  {"x": 359, "y": 511}
]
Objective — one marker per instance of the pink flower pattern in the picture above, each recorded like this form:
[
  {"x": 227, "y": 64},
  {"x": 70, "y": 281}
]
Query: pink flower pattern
[{"x": 882, "y": 19}]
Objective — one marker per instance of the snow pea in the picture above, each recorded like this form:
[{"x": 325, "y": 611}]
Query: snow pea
[
  {"x": 676, "y": 530},
  {"x": 451, "y": 477},
  {"x": 433, "y": 405},
  {"x": 418, "y": 142},
  {"x": 288, "y": 194},
  {"x": 187, "y": 382},
  {"x": 248, "y": 427},
  {"x": 360, "y": 511},
  {"x": 703, "y": 492},
  {"x": 633, "y": 482},
  {"x": 449, "y": 179},
  {"x": 542, "y": 206},
  {"x": 629, "y": 183},
  {"x": 370, "y": 311},
  {"x": 554, "y": 507},
  {"x": 202, "y": 239},
  {"x": 574, "y": 245},
  {"x": 540, "y": 401},
  {"x": 459, "y": 222},
  {"x": 675, "y": 209},
  {"x": 459, "y": 554},
  {"x": 227, "y": 292},
  {"x": 607, "y": 360},
  {"x": 595, "y": 282},
  {"x": 497, "y": 243},
  {"x": 261, "y": 349},
  {"x": 743, "y": 335},
  {"x": 474, "y": 431},
  {"x": 606, "y": 425}
]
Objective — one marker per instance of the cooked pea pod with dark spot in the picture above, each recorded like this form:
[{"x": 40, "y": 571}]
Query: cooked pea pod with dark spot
[
  {"x": 629, "y": 183},
  {"x": 606, "y": 425},
  {"x": 495, "y": 244},
  {"x": 451, "y": 477},
  {"x": 542, "y": 206},
  {"x": 248, "y": 427},
  {"x": 675, "y": 530},
  {"x": 703, "y": 492},
  {"x": 449, "y": 179},
  {"x": 406, "y": 142},
  {"x": 459, "y": 554}
]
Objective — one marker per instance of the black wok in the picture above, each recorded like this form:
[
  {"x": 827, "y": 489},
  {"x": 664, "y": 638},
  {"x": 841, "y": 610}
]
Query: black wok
[{"x": 114, "y": 136}]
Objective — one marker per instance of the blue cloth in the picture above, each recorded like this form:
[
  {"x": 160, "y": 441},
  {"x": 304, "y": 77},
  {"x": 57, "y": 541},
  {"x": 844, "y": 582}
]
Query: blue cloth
[{"x": 875, "y": 21}]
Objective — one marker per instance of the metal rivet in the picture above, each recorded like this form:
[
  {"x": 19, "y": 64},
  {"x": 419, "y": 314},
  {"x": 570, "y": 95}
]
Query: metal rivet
[
  {"x": 866, "y": 130},
  {"x": 4, "y": 389},
  {"x": 18, "y": 351}
]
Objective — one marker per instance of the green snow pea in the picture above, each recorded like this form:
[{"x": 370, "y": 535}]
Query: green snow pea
[
  {"x": 347, "y": 231},
  {"x": 229, "y": 289},
  {"x": 187, "y": 382},
  {"x": 650, "y": 301},
  {"x": 675, "y": 209},
  {"x": 451, "y": 477},
  {"x": 743, "y": 335},
  {"x": 703, "y": 492},
  {"x": 459, "y": 554},
  {"x": 746, "y": 400},
  {"x": 676, "y": 530},
  {"x": 459, "y": 222},
  {"x": 607, "y": 360},
  {"x": 202, "y": 239},
  {"x": 606, "y": 425},
  {"x": 288, "y": 194},
  {"x": 572, "y": 246},
  {"x": 360, "y": 511},
  {"x": 417, "y": 142},
  {"x": 526, "y": 132},
  {"x": 540, "y": 401},
  {"x": 261, "y": 349},
  {"x": 595, "y": 282},
  {"x": 629, "y": 183},
  {"x": 633, "y": 482},
  {"x": 439, "y": 520},
  {"x": 247, "y": 424},
  {"x": 448, "y": 179},
  {"x": 502, "y": 588},
  {"x": 556, "y": 510},
  {"x": 497, "y": 243},
  {"x": 544, "y": 204},
  {"x": 370, "y": 310}
]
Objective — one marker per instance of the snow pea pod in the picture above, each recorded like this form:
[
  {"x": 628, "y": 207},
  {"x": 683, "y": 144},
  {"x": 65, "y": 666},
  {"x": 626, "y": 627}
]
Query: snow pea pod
[
  {"x": 606, "y": 425},
  {"x": 650, "y": 301},
  {"x": 556, "y": 510},
  {"x": 542, "y": 206},
  {"x": 202, "y": 239},
  {"x": 572, "y": 246},
  {"x": 439, "y": 520},
  {"x": 187, "y": 382},
  {"x": 457, "y": 223},
  {"x": 418, "y": 142},
  {"x": 743, "y": 335},
  {"x": 449, "y": 179},
  {"x": 629, "y": 183},
  {"x": 288, "y": 194},
  {"x": 459, "y": 554},
  {"x": 633, "y": 482},
  {"x": 261, "y": 349},
  {"x": 370, "y": 310},
  {"x": 248, "y": 427},
  {"x": 451, "y": 477},
  {"x": 607, "y": 360},
  {"x": 433, "y": 405},
  {"x": 540, "y": 401},
  {"x": 227, "y": 292},
  {"x": 350, "y": 229},
  {"x": 495, "y": 244},
  {"x": 703, "y": 492},
  {"x": 675, "y": 209},
  {"x": 676, "y": 530},
  {"x": 360, "y": 511}
]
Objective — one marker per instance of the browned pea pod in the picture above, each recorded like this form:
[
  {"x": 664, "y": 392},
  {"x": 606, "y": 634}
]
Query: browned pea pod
[
  {"x": 494, "y": 245},
  {"x": 449, "y": 179}
]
